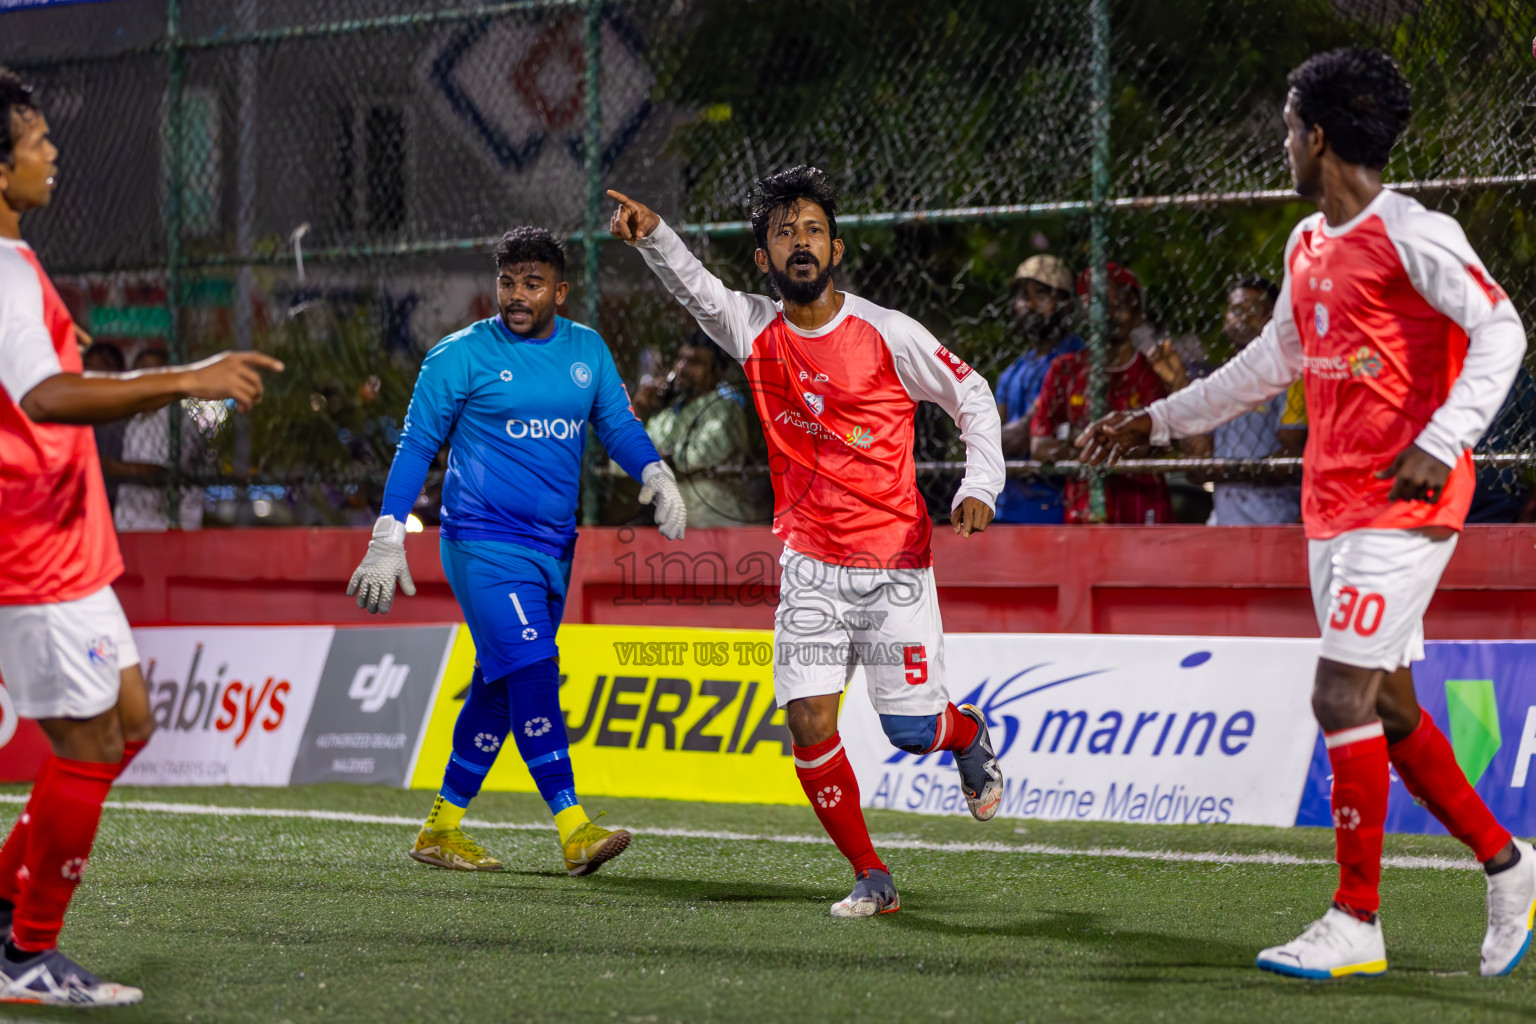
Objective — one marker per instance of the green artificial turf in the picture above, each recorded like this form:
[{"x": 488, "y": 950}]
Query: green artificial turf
[{"x": 244, "y": 918}]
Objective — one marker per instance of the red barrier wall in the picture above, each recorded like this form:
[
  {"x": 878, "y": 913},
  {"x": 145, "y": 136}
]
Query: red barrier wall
[{"x": 1112, "y": 579}]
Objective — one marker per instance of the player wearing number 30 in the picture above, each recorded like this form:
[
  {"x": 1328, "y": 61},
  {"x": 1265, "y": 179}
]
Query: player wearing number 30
[
  {"x": 512, "y": 396},
  {"x": 836, "y": 381},
  {"x": 1407, "y": 348}
]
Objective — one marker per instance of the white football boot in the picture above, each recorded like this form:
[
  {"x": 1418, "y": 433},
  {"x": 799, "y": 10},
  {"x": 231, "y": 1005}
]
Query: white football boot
[
  {"x": 1511, "y": 905},
  {"x": 1335, "y": 945}
]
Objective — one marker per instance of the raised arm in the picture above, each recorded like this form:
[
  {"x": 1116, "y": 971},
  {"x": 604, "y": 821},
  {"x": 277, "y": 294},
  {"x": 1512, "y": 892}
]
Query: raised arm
[
  {"x": 30, "y": 371},
  {"x": 103, "y": 397},
  {"x": 733, "y": 319}
]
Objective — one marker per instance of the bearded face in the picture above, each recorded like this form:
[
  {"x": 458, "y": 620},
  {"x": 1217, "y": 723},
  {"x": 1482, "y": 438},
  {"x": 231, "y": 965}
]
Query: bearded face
[
  {"x": 1041, "y": 313},
  {"x": 802, "y": 279}
]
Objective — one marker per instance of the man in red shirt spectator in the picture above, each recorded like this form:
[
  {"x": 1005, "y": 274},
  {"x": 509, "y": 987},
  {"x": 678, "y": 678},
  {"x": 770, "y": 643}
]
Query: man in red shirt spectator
[{"x": 1133, "y": 382}]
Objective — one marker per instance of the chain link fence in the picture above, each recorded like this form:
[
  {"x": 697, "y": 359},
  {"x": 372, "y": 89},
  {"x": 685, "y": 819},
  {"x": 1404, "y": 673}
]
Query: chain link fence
[{"x": 324, "y": 179}]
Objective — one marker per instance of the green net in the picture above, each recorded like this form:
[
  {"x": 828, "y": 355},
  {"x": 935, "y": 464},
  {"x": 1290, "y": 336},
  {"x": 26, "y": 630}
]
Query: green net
[{"x": 207, "y": 148}]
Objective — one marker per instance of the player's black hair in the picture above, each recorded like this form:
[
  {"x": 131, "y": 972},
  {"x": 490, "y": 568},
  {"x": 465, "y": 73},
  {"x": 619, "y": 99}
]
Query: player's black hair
[
  {"x": 530, "y": 245},
  {"x": 699, "y": 340},
  {"x": 774, "y": 196},
  {"x": 1255, "y": 283},
  {"x": 15, "y": 98},
  {"x": 1358, "y": 97}
]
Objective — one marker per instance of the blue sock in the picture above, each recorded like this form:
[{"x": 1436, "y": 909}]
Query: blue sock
[
  {"x": 477, "y": 737},
  {"x": 538, "y": 725}
]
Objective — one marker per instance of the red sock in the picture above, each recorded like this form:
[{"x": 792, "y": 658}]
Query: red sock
[
  {"x": 1427, "y": 766},
  {"x": 829, "y": 782},
  {"x": 955, "y": 731},
  {"x": 14, "y": 853},
  {"x": 67, "y": 808},
  {"x": 1360, "y": 784}
]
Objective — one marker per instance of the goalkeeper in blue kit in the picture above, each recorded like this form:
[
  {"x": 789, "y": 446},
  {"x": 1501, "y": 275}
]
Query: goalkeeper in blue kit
[{"x": 512, "y": 396}]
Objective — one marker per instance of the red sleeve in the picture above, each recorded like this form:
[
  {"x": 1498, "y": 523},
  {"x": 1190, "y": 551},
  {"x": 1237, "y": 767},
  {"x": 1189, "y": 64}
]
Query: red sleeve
[{"x": 1043, "y": 418}]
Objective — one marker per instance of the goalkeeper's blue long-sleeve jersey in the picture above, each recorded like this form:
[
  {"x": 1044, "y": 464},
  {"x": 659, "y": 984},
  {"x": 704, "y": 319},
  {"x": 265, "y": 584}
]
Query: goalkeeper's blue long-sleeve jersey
[{"x": 514, "y": 413}]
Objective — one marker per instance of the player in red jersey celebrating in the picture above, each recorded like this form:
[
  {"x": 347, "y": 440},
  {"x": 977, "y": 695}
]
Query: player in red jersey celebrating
[
  {"x": 66, "y": 654},
  {"x": 1407, "y": 348},
  {"x": 836, "y": 381}
]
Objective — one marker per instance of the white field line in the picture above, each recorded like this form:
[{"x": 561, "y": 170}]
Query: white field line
[{"x": 1038, "y": 849}]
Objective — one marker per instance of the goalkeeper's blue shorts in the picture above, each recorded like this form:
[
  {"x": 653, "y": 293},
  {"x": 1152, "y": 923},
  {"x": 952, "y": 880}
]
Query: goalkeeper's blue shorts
[{"x": 512, "y": 598}]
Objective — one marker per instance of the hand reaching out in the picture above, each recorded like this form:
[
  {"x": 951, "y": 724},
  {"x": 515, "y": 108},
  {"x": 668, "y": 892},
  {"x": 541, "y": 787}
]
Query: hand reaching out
[
  {"x": 1115, "y": 436},
  {"x": 233, "y": 375}
]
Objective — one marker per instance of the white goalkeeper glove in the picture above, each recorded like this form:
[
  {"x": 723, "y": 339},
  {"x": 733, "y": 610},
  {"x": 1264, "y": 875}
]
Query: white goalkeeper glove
[
  {"x": 660, "y": 488},
  {"x": 383, "y": 566}
]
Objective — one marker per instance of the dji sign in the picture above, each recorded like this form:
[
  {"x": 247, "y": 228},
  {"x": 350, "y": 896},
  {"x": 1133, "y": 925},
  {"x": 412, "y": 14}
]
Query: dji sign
[
  {"x": 368, "y": 713},
  {"x": 377, "y": 685}
]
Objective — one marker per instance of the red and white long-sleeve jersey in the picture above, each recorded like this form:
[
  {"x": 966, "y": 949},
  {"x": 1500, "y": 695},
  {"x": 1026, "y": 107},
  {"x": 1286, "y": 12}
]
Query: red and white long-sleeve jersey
[
  {"x": 836, "y": 405},
  {"x": 1401, "y": 337},
  {"x": 56, "y": 537}
]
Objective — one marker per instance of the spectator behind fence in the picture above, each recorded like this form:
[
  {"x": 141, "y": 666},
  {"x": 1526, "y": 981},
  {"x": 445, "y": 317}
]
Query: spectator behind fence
[
  {"x": 1132, "y": 382},
  {"x": 1042, "y": 309},
  {"x": 698, "y": 422},
  {"x": 141, "y": 505},
  {"x": 102, "y": 357},
  {"x": 1275, "y": 427}
]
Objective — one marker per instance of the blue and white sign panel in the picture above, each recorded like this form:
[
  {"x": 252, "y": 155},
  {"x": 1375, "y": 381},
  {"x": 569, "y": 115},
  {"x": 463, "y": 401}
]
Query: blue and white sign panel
[
  {"x": 1155, "y": 730},
  {"x": 1483, "y": 697}
]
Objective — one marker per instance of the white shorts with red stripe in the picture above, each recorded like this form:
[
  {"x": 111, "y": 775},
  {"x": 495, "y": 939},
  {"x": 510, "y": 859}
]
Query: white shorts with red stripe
[
  {"x": 65, "y": 660},
  {"x": 832, "y": 618},
  {"x": 1370, "y": 589}
]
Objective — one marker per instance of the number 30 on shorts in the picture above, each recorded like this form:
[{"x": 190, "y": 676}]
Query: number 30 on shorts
[
  {"x": 915, "y": 658},
  {"x": 1362, "y": 611}
]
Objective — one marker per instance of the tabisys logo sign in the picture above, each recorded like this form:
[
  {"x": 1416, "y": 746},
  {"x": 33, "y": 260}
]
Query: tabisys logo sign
[
  {"x": 229, "y": 703},
  {"x": 1137, "y": 729}
]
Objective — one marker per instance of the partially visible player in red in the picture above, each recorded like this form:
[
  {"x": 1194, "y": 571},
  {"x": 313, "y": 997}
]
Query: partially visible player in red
[
  {"x": 1407, "y": 348},
  {"x": 836, "y": 380},
  {"x": 66, "y": 654}
]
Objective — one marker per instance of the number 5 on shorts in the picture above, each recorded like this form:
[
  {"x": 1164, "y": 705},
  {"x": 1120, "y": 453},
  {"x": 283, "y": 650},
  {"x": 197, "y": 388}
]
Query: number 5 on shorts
[
  {"x": 915, "y": 657},
  {"x": 1366, "y": 611}
]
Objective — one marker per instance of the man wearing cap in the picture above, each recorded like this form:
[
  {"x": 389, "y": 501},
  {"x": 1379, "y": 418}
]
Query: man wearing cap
[
  {"x": 1132, "y": 381},
  {"x": 1042, "y": 310}
]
